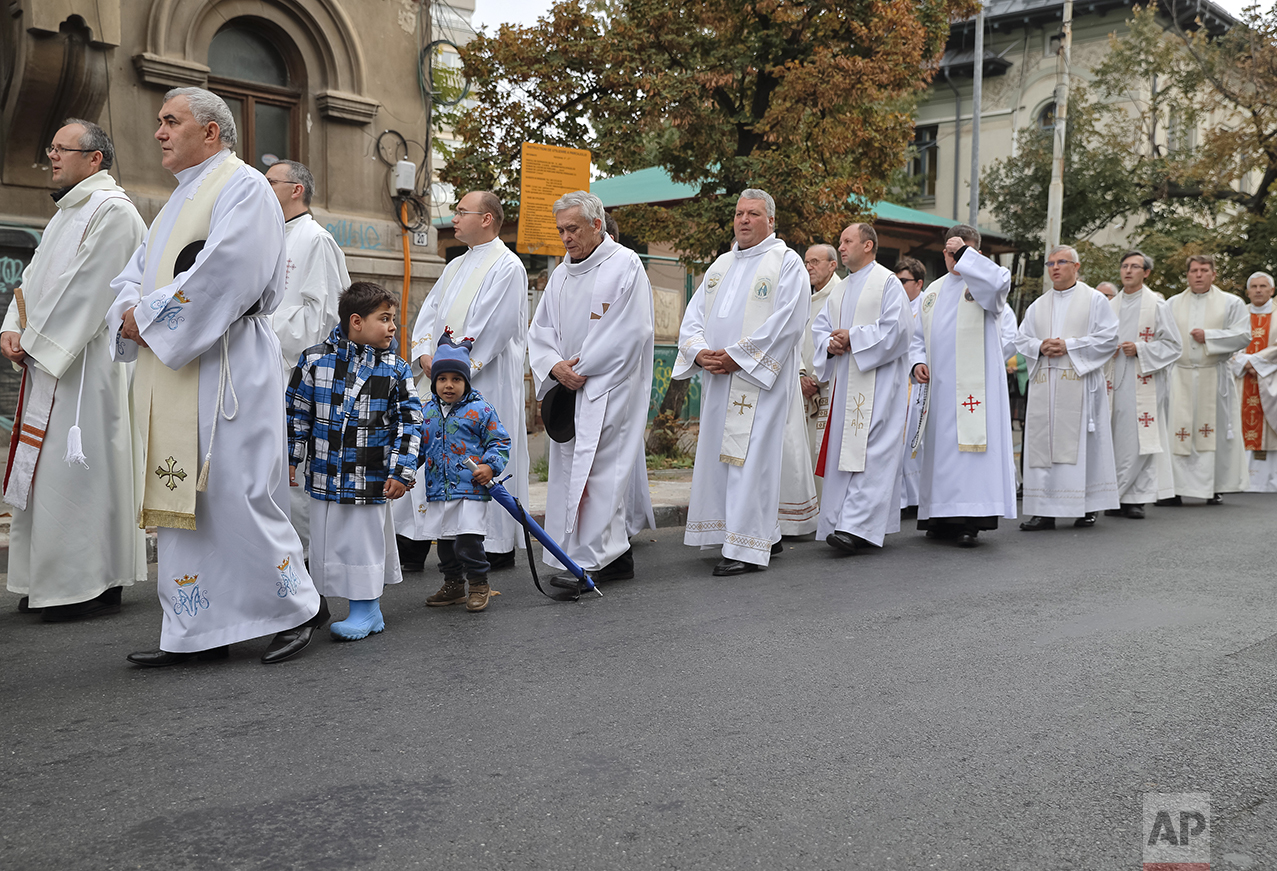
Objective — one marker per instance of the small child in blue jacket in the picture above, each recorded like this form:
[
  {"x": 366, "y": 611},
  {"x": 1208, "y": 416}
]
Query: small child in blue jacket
[
  {"x": 459, "y": 423},
  {"x": 354, "y": 416}
]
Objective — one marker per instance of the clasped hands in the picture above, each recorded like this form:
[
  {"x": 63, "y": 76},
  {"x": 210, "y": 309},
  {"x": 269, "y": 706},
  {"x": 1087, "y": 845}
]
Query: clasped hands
[
  {"x": 839, "y": 343},
  {"x": 1053, "y": 348},
  {"x": 563, "y": 373},
  {"x": 717, "y": 362},
  {"x": 129, "y": 329}
]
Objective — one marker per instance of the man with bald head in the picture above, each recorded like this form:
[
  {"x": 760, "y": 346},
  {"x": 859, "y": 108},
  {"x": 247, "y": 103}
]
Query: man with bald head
[
  {"x": 742, "y": 333},
  {"x": 193, "y": 309},
  {"x": 73, "y": 542},
  {"x": 482, "y": 295},
  {"x": 822, "y": 269},
  {"x": 1067, "y": 336},
  {"x": 1255, "y": 368}
]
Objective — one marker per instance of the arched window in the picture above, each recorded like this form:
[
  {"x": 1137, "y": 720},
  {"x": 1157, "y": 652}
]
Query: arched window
[
  {"x": 254, "y": 75},
  {"x": 1046, "y": 116}
]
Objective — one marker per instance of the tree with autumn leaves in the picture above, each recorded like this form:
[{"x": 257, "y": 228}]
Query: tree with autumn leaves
[{"x": 810, "y": 100}]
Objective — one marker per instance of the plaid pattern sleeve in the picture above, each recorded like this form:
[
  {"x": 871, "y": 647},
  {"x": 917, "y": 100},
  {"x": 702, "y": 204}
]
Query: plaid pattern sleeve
[
  {"x": 299, "y": 401},
  {"x": 407, "y": 444}
]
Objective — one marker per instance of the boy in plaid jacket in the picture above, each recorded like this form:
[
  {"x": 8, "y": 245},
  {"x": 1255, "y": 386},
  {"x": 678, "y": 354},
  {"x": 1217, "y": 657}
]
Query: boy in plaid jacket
[
  {"x": 353, "y": 413},
  {"x": 459, "y": 424}
]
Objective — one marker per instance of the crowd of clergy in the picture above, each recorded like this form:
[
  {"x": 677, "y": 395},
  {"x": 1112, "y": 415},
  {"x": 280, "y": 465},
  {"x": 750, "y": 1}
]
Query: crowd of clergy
[{"x": 829, "y": 405}]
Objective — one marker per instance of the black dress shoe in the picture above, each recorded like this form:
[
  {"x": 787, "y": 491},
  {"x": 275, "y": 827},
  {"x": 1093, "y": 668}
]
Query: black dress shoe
[
  {"x": 777, "y": 548},
  {"x": 291, "y": 642},
  {"x": 106, "y": 603},
  {"x": 1037, "y": 524},
  {"x": 162, "y": 658},
  {"x": 1115, "y": 512},
  {"x": 1087, "y": 520},
  {"x": 1170, "y": 502},
  {"x": 619, "y": 569},
  {"x": 498, "y": 561},
  {"x": 24, "y": 606},
  {"x": 729, "y": 567},
  {"x": 1133, "y": 511},
  {"x": 1217, "y": 499},
  {"x": 968, "y": 538},
  {"x": 566, "y": 581},
  {"x": 843, "y": 541}
]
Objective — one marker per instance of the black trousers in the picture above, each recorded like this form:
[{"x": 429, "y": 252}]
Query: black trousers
[{"x": 463, "y": 557}]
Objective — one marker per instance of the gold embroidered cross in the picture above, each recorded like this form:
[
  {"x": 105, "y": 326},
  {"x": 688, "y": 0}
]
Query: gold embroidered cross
[
  {"x": 595, "y": 317},
  {"x": 742, "y": 404},
  {"x": 171, "y": 472}
]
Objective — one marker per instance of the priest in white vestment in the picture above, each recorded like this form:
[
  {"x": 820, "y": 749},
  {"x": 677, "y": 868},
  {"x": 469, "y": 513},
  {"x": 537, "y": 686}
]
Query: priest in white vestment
[
  {"x": 73, "y": 542},
  {"x": 968, "y": 475},
  {"x": 822, "y": 269},
  {"x": 1067, "y": 335},
  {"x": 193, "y": 309},
  {"x": 1138, "y": 392},
  {"x": 1250, "y": 367},
  {"x": 315, "y": 275},
  {"x": 483, "y": 296},
  {"x": 862, "y": 337},
  {"x": 913, "y": 278},
  {"x": 1208, "y": 456},
  {"x": 743, "y": 331},
  {"x": 593, "y": 334}
]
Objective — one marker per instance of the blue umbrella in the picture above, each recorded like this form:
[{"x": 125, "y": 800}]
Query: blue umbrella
[{"x": 511, "y": 504}]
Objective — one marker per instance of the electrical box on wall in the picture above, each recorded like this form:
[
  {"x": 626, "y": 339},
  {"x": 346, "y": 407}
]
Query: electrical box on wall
[{"x": 405, "y": 176}]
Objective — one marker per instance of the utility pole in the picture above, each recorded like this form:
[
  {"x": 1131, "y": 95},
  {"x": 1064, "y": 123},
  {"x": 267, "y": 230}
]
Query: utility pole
[
  {"x": 1055, "y": 194},
  {"x": 977, "y": 84}
]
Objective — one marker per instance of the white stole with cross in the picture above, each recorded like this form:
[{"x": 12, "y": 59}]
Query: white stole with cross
[
  {"x": 972, "y": 427},
  {"x": 1193, "y": 395},
  {"x": 859, "y": 395},
  {"x": 459, "y": 309},
  {"x": 759, "y": 304},
  {"x": 1057, "y": 422},
  {"x": 1145, "y": 388}
]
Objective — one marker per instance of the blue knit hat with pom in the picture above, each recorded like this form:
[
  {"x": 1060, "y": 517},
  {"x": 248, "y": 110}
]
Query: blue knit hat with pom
[{"x": 451, "y": 356}]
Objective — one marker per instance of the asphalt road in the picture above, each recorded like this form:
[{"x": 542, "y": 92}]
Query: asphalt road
[{"x": 919, "y": 707}]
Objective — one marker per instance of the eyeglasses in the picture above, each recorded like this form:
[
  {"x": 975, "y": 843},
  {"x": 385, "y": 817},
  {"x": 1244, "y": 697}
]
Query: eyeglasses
[
  {"x": 1051, "y": 263},
  {"x": 53, "y": 150},
  {"x": 465, "y": 212},
  {"x": 281, "y": 181}
]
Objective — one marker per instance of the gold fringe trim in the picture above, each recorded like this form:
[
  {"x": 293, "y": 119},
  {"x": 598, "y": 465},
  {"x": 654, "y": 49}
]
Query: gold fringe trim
[
  {"x": 973, "y": 449},
  {"x": 169, "y": 519},
  {"x": 732, "y": 461}
]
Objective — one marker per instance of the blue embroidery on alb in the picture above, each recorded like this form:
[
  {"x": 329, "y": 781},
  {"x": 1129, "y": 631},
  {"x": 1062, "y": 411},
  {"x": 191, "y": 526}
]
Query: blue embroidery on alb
[
  {"x": 169, "y": 313},
  {"x": 189, "y": 600},
  {"x": 288, "y": 580}
]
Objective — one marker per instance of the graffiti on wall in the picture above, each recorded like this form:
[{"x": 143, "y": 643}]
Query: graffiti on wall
[{"x": 353, "y": 234}]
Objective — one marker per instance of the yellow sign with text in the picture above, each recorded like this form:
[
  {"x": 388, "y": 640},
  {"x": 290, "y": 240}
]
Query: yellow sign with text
[{"x": 549, "y": 172}]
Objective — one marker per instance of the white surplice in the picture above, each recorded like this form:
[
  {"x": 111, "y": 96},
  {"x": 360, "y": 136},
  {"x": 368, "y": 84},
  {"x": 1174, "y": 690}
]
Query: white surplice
[
  {"x": 911, "y": 465},
  {"x": 1143, "y": 478},
  {"x": 78, "y": 535},
  {"x": 736, "y": 506},
  {"x": 497, "y": 321},
  {"x": 815, "y": 408},
  {"x": 314, "y": 277},
  {"x": 956, "y": 483},
  {"x": 600, "y": 310},
  {"x": 865, "y": 503},
  {"x": 239, "y": 574},
  {"x": 1090, "y": 484},
  {"x": 1203, "y": 474},
  {"x": 1262, "y": 463}
]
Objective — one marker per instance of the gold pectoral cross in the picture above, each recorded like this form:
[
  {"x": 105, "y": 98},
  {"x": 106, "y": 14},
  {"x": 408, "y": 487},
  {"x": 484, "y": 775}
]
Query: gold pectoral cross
[{"x": 742, "y": 404}]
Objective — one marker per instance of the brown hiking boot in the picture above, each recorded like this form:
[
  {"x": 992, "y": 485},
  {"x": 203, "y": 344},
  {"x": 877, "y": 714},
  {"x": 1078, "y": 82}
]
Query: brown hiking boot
[
  {"x": 453, "y": 592},
  {"x": 480, "y": 592}
]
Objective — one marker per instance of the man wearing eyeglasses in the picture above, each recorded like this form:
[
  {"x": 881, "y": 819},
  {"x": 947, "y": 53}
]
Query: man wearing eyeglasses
[
  {"x": 315, "y": 276},
  {"x": 913, "y": 277},
  {"x": 73, "y": 543},
  {"x": 1067, "y": 336}
]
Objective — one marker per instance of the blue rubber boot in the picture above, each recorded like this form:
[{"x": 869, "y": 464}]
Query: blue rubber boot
[{"x": 365, "y": 619}]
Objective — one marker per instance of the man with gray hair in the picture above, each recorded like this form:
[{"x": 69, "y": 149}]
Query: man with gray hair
[
  {"x": 314, "y": 277},
  {"x": 1255, "y": 369},
  {"x": 590, "y": 347},
  {"x": 822, "y": 269},
  {"x": 1067, "y": 336},
  {"x": 742, "y": 333},
  {"x": 73, "y": 543},
  {"x": 1108, "y": 288},
  {"x": 192, "y": 308}
]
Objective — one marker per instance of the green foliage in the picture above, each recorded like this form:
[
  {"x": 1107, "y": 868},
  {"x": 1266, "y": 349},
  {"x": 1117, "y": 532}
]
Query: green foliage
[
  {"x": 811, "y": 100},
  {"x": 1166, "y": 142}
]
